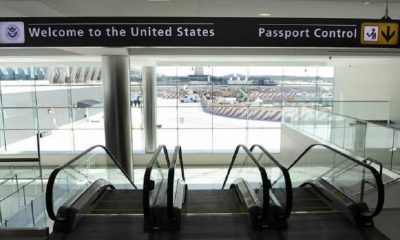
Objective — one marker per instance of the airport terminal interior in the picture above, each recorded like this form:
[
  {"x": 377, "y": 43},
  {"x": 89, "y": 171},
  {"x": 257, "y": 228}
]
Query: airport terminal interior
[{"x": 199, "y": 142}]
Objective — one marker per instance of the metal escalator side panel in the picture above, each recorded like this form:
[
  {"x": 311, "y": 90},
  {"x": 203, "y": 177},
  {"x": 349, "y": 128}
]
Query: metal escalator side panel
[
  {"x": 69, "y": 181},
  {"x": 153, "y": 180},
  {"x": 283, "y": 182},
  {"x": 69, "y": 212},
  {"x": 356, "y": 212},
  {"x": 250, "y": 197},
  {"x": 345, "y": 172}
]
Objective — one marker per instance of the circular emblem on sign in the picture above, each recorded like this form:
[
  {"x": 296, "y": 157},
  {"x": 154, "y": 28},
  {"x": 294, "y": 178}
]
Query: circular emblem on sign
[{"x": 12, "y": 32}]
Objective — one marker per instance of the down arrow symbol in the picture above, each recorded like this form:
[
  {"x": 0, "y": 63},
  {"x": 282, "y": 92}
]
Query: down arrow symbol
[{"x": 387, "y": 35}]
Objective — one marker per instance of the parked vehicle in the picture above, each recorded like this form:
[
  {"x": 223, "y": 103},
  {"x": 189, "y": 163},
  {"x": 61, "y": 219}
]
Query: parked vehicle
[{"x": 191, "y": 98}]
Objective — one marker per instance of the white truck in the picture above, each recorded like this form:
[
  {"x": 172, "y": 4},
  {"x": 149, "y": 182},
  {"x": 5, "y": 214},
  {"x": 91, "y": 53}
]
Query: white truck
[{"x": 190, "y": 98}]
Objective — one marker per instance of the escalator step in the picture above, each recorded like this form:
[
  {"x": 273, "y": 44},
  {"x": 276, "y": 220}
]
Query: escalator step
[
  {"x": 213, "y": 201},
  {"x": 116, "y": 201},
  {"x": 307, "y": 199}
]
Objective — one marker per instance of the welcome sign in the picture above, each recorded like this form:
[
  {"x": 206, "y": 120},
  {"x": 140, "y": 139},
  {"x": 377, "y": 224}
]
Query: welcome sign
[{"x": 197, "y": 32}]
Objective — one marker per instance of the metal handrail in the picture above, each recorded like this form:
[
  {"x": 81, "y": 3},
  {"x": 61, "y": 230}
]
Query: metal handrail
[
  {"x": 171, "y": 177},
  {"x": 147, "y": 186},
  {"x": 286, "y": 175},
  {"x": 378, "y": 179},
  {"x": 265, "y": 181},
  {"x": 53, "y": 175}
]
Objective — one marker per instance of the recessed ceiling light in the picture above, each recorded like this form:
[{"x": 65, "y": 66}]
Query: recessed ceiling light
[
  {"x": 264, "y": 14},
  {"x": 367, "y": 3}
]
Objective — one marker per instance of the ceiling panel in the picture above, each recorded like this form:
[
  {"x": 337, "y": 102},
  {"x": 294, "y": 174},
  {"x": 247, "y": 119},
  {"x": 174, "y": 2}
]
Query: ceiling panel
[{"x": 29, "y": 8}]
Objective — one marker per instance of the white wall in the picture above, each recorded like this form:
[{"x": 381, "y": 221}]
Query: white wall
[{"x": 370, "y": 82}]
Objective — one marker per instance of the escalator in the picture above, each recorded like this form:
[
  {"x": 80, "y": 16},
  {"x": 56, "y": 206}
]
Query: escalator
[
  {"x": 328, "y": 187},
  {"x": 245, "y": 194},
  {"x": 90, "y": 197},
  {"x": 90, "y": 187}
]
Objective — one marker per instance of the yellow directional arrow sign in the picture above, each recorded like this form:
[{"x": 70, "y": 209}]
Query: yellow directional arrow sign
[{"x": 378, "y": 33}]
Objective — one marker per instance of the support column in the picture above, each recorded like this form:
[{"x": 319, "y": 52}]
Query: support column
[
  {"x": 117, "y": 111},
  {"x": 149, "y": 117}
]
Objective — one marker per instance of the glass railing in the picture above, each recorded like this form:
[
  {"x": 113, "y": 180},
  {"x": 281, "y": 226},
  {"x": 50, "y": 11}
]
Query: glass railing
[
  {"x": 279, "y": 175},
  {"x": 346, "y": 173},
  {"x": 155, "y": 179},
  {"x": 24, "y": 207},
  {"x": 21, "y": 193},
  {"x": 363, "y": 138},
  {"x": 68, "y": 182},
  {"x": 245, "y": 167}
]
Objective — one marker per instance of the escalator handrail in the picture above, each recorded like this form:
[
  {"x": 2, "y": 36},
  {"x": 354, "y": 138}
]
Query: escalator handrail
[
  {"x": 54, "y": 173},
  {"x": 378, "y": 179},
  {"x": 265, "y": 181},
  {"x": 147, "y": 175},
  {"x": 286, "y": 175},
  {"x": 171, "y": 177}
]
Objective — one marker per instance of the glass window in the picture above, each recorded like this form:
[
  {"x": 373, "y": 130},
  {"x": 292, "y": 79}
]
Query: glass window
[
  {"x": 270, "y": 139},
  {"x": 137, "y": 140},
  {"x": 88, "y": 118},
  {"x": 18, "y": 96},
  {"x": 167, "y": 80},
  {"x": 19, "y": 118},
  {"x": 54, "y": 118},
  {"x": 21, "y": 140},
  {"x": 52, "y": 96},
  {"x": 83, "y": 139},
  {"x": 226, "y": 140},
  {"x": 88, "y": 95},
  {"x": 197, "y": 140},
  {"x": 167, "y": 117},
  {"x": 167, "y": 137},
  {"x": 194, "y": 117},
  {"x": 2, "y": 140},
  {"x": 229, "y": 116},
  {"x": 57, "y": 140},
  {"x": 264, "y": 117}
]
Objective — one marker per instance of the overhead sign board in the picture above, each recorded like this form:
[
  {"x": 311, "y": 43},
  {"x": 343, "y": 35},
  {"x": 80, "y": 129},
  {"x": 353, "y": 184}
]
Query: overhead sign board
[{"x": 197, "y": 32}]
